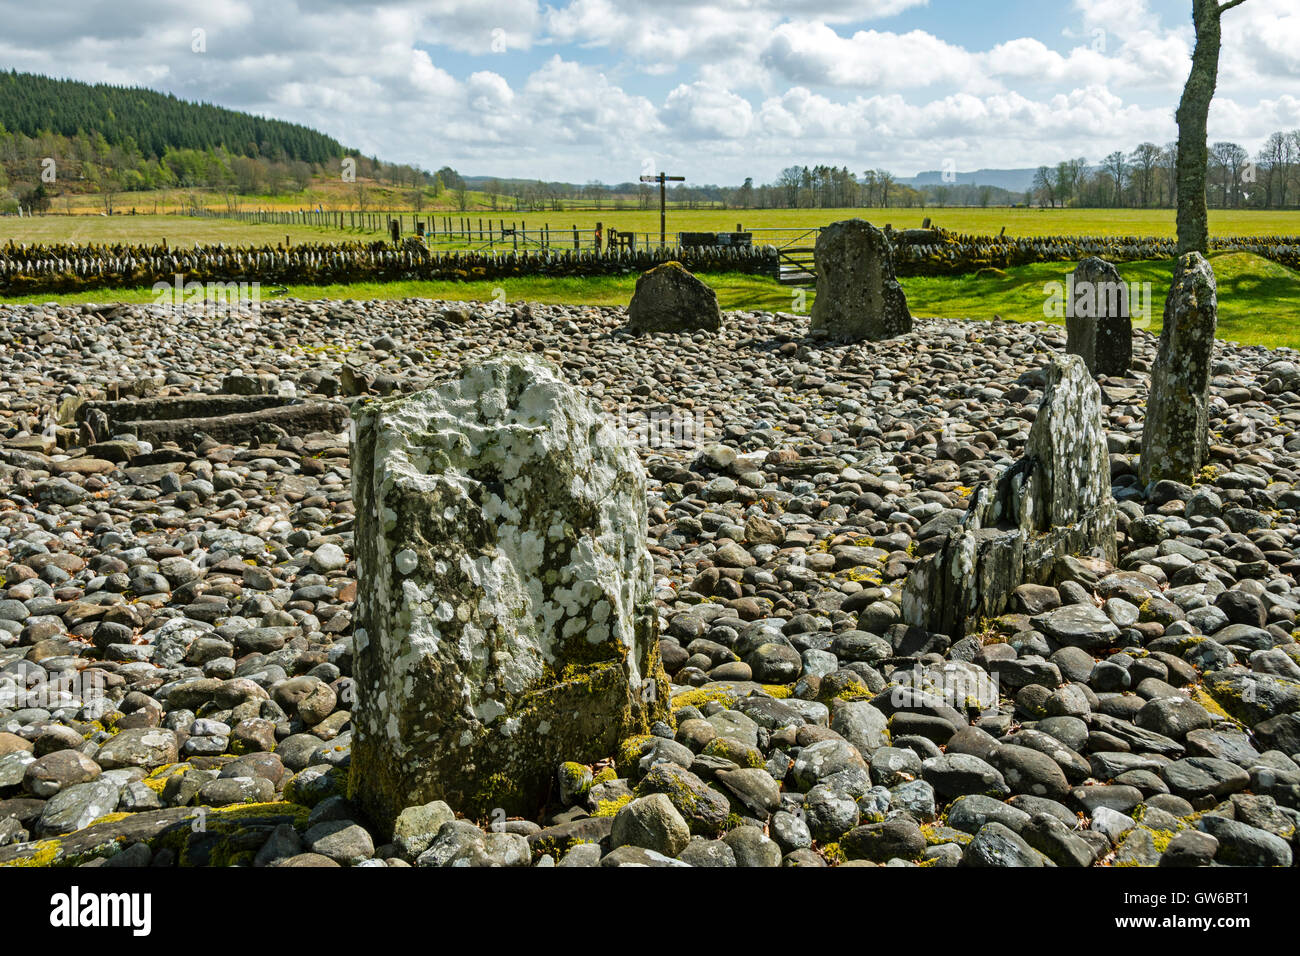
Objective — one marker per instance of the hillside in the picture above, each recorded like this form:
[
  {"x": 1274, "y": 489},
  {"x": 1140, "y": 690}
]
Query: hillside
[
  {"x": 153, "y": 122},
  {"x": 66, "y": 146},
  {"x": 1012, "y": 180}
]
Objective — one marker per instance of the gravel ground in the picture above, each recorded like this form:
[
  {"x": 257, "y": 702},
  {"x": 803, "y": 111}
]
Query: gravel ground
[{"x": 175, "y": 622}]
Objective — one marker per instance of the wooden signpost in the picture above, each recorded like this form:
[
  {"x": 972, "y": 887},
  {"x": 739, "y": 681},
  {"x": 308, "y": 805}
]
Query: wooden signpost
[{"x": 661, "y": 179}]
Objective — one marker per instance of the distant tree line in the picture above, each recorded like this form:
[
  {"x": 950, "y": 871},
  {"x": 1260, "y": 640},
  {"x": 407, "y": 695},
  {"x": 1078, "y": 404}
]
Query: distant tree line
[
  {"x": 797, "y": 187},
  {"x": 1146, "y": 178}
]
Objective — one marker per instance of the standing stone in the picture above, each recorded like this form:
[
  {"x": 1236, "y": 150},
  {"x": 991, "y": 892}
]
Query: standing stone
[
  {"x": 668, "y": 298},
  {"x": 417, "y": 248},
  {"x": 1054, "y": 501},
  {"x": 858, "y": 296},
  {"x": 505, "y": 616},
  {"x": 1098, "y": 327},
  {"x": 1174, "y": 436}
]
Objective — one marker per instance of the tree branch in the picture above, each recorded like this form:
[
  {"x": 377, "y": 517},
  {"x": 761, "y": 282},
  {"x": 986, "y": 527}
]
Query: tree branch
[{"x": 1223, "y": 7}]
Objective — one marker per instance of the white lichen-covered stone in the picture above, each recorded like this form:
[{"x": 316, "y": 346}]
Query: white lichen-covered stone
[
  {"x": 1174, "y": 433},
  {"x": 1068, "y": 444},
  {"x": 505, "y": 614},
  {"x": 1055, "y": 501}
]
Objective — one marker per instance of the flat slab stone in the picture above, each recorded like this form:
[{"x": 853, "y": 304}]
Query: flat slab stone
[
  {"x": 1078, "y": 625},
  {"x": 195, "y": 405},
  {"x": 247, "y": 427}
]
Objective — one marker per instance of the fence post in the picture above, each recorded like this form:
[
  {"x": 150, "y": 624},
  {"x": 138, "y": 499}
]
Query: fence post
[{"x": 575, "y": 237}]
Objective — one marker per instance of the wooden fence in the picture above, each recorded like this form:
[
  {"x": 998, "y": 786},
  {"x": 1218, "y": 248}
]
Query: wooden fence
[{"x": 460, "y": 231}]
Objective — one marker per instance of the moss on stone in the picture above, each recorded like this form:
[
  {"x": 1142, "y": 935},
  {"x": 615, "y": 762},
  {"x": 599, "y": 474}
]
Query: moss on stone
[
  {"x": 701, "y": 696},
  {"x": 492, "y": 790},
  {"x": 732, "y": 750},
  {"x": 157, "y": 780},
  {"x": 253, "y": 811},
  {"x": 629, "y": 753},
  {"x": 1207, "y": 701},
  {"x": 854, "y": 693},
  {"x": 109, "y": 818},
  {"x": 45, "y": 853},
  {"x": 832, "y": 853},
  {"x": 610, "y": 808},
  {"x": 334, "y": 782},
  {"x": 575, "y": 777}
]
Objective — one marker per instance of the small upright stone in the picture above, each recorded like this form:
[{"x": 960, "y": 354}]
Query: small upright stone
[
  {"x": 1054, "y": 501},
  {"x": 1177, "y": 416},
  {"x": 670, "y": 299},
  {"x": 416, "y": 247},
  {"x": 1098, "y": 327},
  {"x": 505, "y": 619},
  {"x": 858, "y": 295}
]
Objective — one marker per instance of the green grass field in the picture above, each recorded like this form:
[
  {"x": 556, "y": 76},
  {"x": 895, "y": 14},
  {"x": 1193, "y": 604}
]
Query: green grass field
[
  {"x": 1259, "y": 301},
  {"x": 184, "y": 230},
  {"x": 177, "y": 230}
]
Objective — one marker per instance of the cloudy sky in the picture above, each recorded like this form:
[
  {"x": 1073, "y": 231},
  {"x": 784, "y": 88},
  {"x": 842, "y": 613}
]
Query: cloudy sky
[{"x": 581, "y": 90}]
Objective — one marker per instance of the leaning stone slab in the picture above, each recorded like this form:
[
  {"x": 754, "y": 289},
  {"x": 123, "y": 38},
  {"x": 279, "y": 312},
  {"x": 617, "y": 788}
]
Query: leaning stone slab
[
  {"x": 1098, "y": 327},
  {"x": 294, "y": 418},
  {"x": 1055, "y": 501},
  {"x": 858, "y": 295},
  {"x": 505, "y": 620},
  {"x": 1175, "y": 432},
  {"x": 173, "y": 407},
  {"x": 668, "y": 298}
]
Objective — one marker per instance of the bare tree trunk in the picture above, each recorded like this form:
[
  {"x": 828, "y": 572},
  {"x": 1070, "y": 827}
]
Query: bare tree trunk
[{"x": 1193, "y": 115}]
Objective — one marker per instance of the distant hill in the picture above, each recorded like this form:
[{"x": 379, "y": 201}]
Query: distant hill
[
  {"x": 1014, "y": 180},
  {"x": 153, "y": 122}
]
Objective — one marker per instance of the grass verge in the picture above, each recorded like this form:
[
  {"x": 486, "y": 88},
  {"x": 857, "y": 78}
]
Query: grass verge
[{"x": 1259, "y": 300}]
